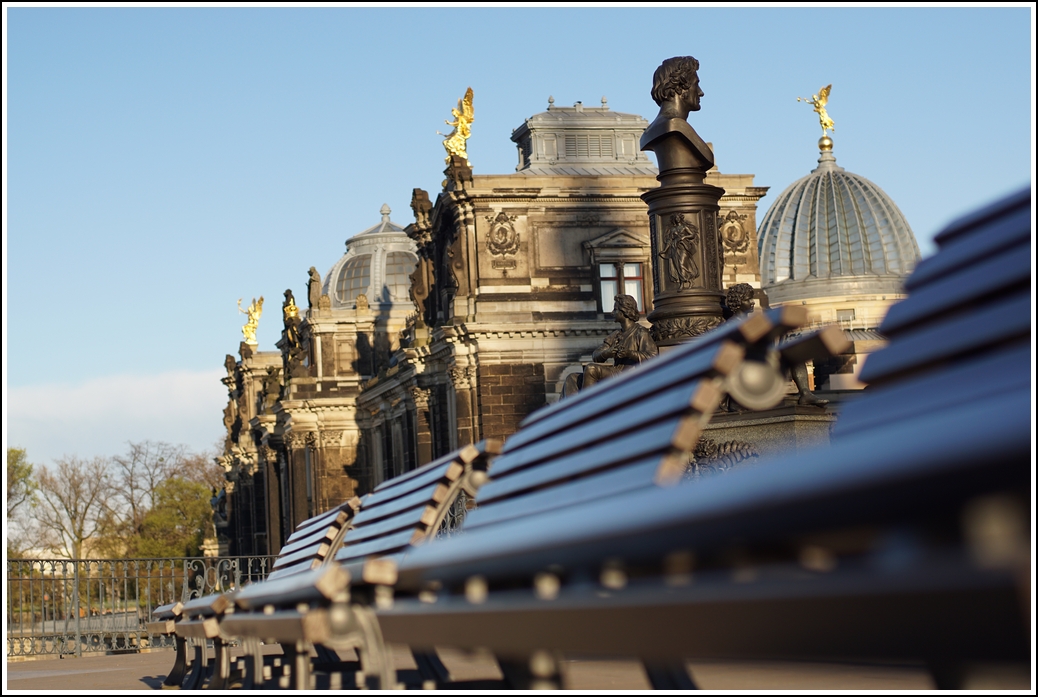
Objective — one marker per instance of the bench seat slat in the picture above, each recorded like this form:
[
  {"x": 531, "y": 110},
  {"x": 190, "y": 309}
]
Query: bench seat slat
[
  {"x": 376, "y": 502},
  {"x": 206, "y": 628},
  {"x": 946, "y": 389},
  {"x": 637, "y": 475},
  {"x": 1000, "y": 323},
  {"x": 380, "y": 546},
  {"x": 999, "y": 273},
  {"x": 356, "y": 566},
  {"x": 846, "y": 614},
  {"x": 660, "y": 439},
  {"x": 168, "y": 611},
  {"x": 322, "y": 583},
  {"x": 304, "y": 555},
  {"x": 208, "y": 605},
  {"x": 302, "y": 566},
  {"x": 719, "y": 360},
  {"x": 411, "y": 519},
  {"x": 702, "y": 396},
  {"x": 285, "y": 626},
  {"x": 657, "y": 521}
]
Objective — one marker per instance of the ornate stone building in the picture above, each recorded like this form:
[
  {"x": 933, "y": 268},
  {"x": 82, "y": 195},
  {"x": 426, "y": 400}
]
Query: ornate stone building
[
  {"x": 453, "y": 329},
  {"x": 516, "y": 278}
]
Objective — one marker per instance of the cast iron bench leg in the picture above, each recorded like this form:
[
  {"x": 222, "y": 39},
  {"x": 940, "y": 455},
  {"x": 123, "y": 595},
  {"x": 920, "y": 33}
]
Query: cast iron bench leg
[
  {"x": 221, "y": 665},
  {"x": 540, "y": 671},
  {"x": 176, "y": 673},
  {"x": 199, "y": 665},
  {"x": 669, "y": 676},
  {"x": 431, "y": 668},
  {"x": 253, "y": 679}
]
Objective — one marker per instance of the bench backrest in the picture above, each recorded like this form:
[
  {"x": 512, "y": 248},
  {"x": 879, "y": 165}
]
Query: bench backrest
[
  {"x": 315, "y": 541},
  {"x": 406, "y": 510},
  {"x": 631, "y": 432}
]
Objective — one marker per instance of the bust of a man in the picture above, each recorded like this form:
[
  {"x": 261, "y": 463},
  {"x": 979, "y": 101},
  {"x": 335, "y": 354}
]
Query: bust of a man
[{"x": 675, "y": 88}]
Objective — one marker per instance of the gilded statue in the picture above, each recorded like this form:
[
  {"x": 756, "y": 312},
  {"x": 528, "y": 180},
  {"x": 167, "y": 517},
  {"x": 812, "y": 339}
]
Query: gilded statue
[
  {"x": 254, "y": 312},
  {"x": 462, "y": 123},
  {"x": 819, "y": 101},
  {"x": 291, "y": 318},
  {"x": 627, "y": 347}
]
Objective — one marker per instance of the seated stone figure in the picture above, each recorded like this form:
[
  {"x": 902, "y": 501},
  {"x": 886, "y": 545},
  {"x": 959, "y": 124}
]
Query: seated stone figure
[{"x": 627, "y": 347}]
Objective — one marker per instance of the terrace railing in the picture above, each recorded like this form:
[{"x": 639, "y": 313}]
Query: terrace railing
[{"x": 76, "y": 606}]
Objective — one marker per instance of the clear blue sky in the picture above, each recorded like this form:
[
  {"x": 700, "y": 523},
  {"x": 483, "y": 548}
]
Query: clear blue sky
[{"x": 162, "y": 163}]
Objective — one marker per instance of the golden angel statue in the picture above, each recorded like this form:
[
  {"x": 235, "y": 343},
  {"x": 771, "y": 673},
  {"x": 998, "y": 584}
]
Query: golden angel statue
[
  {"x": 254, "y": 311},
  {"x": 462, "y": 123},
  {"x": 819, "y": 101}
]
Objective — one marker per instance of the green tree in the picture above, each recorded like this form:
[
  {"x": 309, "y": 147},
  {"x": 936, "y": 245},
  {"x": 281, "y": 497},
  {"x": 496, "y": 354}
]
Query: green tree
[
  {"x": 21, "y": 487},
  {"x": 175, "y": 526}
]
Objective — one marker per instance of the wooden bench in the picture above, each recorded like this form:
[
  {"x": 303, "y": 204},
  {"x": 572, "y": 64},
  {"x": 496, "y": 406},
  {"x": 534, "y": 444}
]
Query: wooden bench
[
  {"x": 330, "y": 611},
  {"x": 310, "y": 545},
  {"x": 164, "y": 624},
  {"x": 907, "y": 539}
]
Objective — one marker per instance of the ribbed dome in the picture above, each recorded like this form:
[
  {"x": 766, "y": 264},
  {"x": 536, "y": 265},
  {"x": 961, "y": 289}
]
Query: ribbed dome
[
  {"x": 377, "y": 264},
  {"x": 834, "y": 233}
]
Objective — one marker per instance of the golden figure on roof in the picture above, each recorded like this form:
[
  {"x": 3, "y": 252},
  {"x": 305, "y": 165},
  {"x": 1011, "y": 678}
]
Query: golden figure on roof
[
  {"x": 819, "y": 101},
  {"x": 254, "y": 312},
  {"x": 462, "y": 123}
]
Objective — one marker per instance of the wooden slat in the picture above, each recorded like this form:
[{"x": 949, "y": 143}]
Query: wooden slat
[
  {"x": 449, "y": 471},
  {"x": 658, "y": 439},
  {"x": 924, "y": 349},
  {"x": 161, "y": 627},
  {"x": 960, "y": 384},
  {"x": 207, "y": 628},
  {"x": 720, "y": 359},
  {"x": 304, "y": 565},
  {"x": 1006, "y": 230},
  {"x": 701, "y": 396},
  {"x": 633, "y": 476},
  {"x": 1004, "y": 273},
  {"x": 168, "y": 611},
  {"x": 323, "y": 583},
  {"x": 283, "y": 626},
  {"x": 381, "y": 546},
  {"x": 334, "y": 518},
  {"x": 311, "y": 542},
  {"x": 411, "y": 518},
  {"x": 434, "y": 493},
  {"x": 302, "y": 556},
  {"x": 208, "y": 605}
]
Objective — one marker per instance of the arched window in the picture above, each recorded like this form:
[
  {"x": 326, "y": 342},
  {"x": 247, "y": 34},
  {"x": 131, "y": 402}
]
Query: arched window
[
  {"x": 354, "y": 278},
  {"x": 399, "y": 267}
]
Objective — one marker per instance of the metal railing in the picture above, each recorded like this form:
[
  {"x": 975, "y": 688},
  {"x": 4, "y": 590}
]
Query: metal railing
[{"x": 76, "y": 606}]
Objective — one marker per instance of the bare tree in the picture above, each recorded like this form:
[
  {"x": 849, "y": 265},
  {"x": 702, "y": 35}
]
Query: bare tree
[
  {"x": 73, "y": 503},
  {"x": 21, "y": 487},
  {"x": 139, "y": 474}
]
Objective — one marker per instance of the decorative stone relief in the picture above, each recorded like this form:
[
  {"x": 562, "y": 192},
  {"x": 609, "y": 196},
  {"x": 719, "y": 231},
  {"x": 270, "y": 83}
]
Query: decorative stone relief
[
  {"x": 463, "y": 378},
  {"x": 680, "y": 248},
  {"x": 294, "y": 440},
  {"x": 331, "y": 439},
  {"x": 312, "y": 441},
  {"x": 734, "y": 236},
  {"x": 503, "y": 238},
  {"x": 420, "y": 397},
  {"x": 682, "y": 327},
  {"x": 711, "y": 456}
]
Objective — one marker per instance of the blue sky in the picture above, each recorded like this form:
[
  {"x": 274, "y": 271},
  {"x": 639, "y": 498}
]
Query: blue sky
[{"x": 163, "y": 162}]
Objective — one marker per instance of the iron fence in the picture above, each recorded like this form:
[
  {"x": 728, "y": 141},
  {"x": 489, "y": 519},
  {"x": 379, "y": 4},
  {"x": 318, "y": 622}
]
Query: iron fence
[{"x": 77, "y": 606}]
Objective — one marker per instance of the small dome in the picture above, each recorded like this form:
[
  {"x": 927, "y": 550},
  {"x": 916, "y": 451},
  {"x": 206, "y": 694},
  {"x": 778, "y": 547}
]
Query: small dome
[
  {"x": 834, "y": 233},
  {"x": 378, "y": 264}
]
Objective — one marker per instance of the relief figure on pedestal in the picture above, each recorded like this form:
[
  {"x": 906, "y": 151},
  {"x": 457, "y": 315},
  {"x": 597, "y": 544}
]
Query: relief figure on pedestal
[
  {"x": 313, "y": 288},
  {"x": 627, "y": 347},
  {"x": 679, "y": 251}
]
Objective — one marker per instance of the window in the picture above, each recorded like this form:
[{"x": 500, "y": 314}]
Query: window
[
  {"x": 621, "y": 278},
  {"x": 354, "y": 278},
  {"x": 845, "y": 315},
  {"x": 399, "y": 266},
  {"x": 578, "y": 146}
]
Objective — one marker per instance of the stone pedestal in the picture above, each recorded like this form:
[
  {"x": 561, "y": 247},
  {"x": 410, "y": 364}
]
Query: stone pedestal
[
  {"x": 784, "y": 430},
  {"x": 686, "y": 259}
]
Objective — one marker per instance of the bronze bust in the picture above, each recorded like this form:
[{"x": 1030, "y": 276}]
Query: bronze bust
[{"x": 675, "y": 88}]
